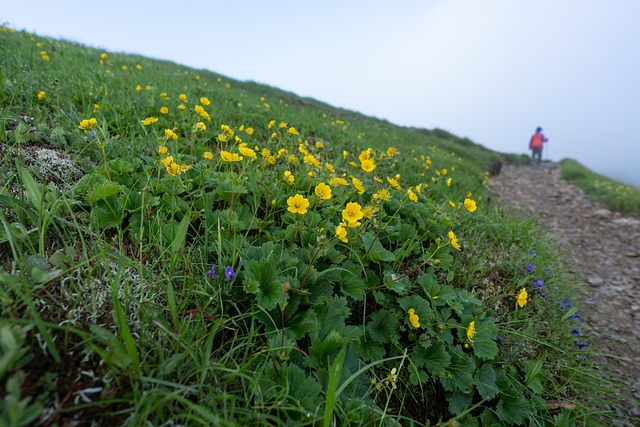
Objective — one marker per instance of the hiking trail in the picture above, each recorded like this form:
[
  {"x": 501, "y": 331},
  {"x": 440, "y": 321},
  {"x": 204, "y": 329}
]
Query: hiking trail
[{"x": 604, "y": 248}]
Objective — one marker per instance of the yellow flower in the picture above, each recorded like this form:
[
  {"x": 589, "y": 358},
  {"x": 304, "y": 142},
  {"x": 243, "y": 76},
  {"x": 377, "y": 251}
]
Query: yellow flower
[
  {"x": 337, "y": 181},
  {"x": 412, "y": 196},
  {"x": 88, "y": 124},
  {"x": 522, "y": 297},
  {"x": 162, "y": 150},
  {"x": 471, "y": 330},
  {"x": 368, "y": 165},
  {"x": 449, "y": 182},
  {"x": 227, "y": 130},
  {"x": 167, "y": 161},
  {"x": 173, "y": 169},
  {"x": 289, "y": 178},
  {"x": 200, "y": 110},
  {"x": 229, "y": 157},
  {"x": 201, "y": 126},
  {"x": 138, "y": 88},
  {"x": 453, "y": 205},
  {"x": 391, "y": 151},
  {"x": 352, "y": 213},
  {"x": 292, "y": 131},
  {"x": 357, "y": 184},
  {"x": 365, "y": 155},
  {"x": 297, "y": 204},
  {"x": 282, "y": 125},
  {"x": 249, "y": 131},
  {"x": 470, "y": 205},
  {"x": 205, "y": 101},
  {"x": 247, "y": 152},
  {"x": 345, "y": 154},
  {"x": 138, "y": 67},
  {"x": 124, "y": 68},
  {"x": 341, "y": 234},
  {"x": 271, "y": 124},
  {"x": 182, "y": 97},
  {"x": 164, "y": 110},
  {"x": 207, "y": 155},
  {"x": 393, "y": 182},
  {"x": 383, "y": 194},
  {"x": 271, "y": 160},
  {"x": 170, "y": 134},
  {"x": 96, "y": 107},
  {"x": 413, "y": 318},
  {"x": 368, "y": 211},
  {"x": 323, "y": 191},
  {"x": 103, "y": 56},
  {"x": 149, "y": 120},
  {"x": 329, "y": 167},
  {"x": 41, "y": 95},
  {"x": 453, "y": 240}
]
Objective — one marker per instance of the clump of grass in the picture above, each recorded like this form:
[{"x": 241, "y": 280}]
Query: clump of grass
[{"x": 614, "y": 194}]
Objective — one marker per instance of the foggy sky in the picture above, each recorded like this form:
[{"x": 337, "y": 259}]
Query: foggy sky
[{"x": 489, "y": 70}]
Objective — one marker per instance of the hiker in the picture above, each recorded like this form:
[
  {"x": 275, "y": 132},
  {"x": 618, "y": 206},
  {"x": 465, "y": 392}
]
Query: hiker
[{"x": 535, "y": 145}]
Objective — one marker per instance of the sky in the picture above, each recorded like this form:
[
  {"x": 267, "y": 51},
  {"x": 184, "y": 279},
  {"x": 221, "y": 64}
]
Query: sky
[{"x": 488, "y": 70}]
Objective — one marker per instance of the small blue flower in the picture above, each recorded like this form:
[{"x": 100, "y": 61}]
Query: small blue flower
[
  {"x": 530, "y": 268},
  {"x": 547, "y": 271},
  {"x": 532, "y": 251},
  {"x": 580, "y": 343},
  {"x": 575, "y": 332},
  {"x": 565, "y": 303},
  {"x": 538, "y": 284},
  {"x": 499, "y": 340},
  {"x": 212, "y": 272},
  {"x": 575, "y": 316},
  {"x": 229, "y": 274}
]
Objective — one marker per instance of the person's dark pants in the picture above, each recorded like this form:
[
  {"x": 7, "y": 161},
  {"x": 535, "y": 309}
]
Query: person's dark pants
[{"x": 536, "y": 153}]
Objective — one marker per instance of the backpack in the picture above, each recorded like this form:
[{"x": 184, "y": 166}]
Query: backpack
[{"x": 536, "y": 140}]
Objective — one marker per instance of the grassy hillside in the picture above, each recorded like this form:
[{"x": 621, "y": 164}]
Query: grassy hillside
[
  {"x": 614, "y": 194},
  {"x": 180, "y": 248}
]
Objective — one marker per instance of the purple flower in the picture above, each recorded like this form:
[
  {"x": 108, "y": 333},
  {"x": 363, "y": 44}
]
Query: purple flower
[
  {"x": 575, "y": 332},
  {"x": 499, "y": 340},
  {"x": 532, "y": 251},
  {"x": 575, "y": 316},
  {"x": 538, "y": 284},
  {"x": 580, "y": 343},
  {"x": 229, "y": 274},
  {"x": 530, "y": 268},
  {"x": 212, "y": 272},
  {"x": 547, "y": 271},
  {"x": 565, "y": 303}
]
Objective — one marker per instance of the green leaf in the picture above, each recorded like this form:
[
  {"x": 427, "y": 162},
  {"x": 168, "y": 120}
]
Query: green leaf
[
  {"x": 420, "y": 305},
  {"x": 485, "y": 380},
  {"x": 374, "y": 249},
  {"x": 435, "y": 358},
  {"x": 104, "y": 191},
  {"x": 460, "y": 372},
  {"x": 34, "y": 193},
  {"x": 369, "y": 350},
  {"x": 484, "y": 342},
  {"x": 458, "y": 402},
  {"x": 180, "y": 235},
  {"x": 382, "y": 326},
  {"x": 261, "y": 278},
  {"x": 513, "y": 409},
  {"x": 305, "y": 390},
  {"x": 533, "y": 375},
  {"x": 334, "y": 376}
]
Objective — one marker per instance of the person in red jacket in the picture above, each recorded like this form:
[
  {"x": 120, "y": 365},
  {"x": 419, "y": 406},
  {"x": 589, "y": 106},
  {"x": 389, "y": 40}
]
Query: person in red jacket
[{"x": 535, "y": 145}]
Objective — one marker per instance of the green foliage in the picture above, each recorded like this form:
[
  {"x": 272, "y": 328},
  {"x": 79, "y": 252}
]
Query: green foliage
[
  {"x": 196, "y": 291},
  {"x": 614, "y": 194}
]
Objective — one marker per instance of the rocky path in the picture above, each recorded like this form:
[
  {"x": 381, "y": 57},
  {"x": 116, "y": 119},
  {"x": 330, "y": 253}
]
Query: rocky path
[{"x": 605, "y": 246}]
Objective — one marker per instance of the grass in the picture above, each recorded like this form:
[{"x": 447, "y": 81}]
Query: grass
[
  {"x": 255, "y": 258},
  {"x": 613, "y": 194}
]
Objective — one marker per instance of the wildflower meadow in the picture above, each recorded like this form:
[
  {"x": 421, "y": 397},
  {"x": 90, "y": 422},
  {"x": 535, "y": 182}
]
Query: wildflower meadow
[{"x": 181, "y": 248}]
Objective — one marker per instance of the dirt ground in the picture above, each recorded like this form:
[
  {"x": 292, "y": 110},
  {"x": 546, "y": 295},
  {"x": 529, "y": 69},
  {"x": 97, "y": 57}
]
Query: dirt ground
[{"x": 605, "y": 248}]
